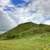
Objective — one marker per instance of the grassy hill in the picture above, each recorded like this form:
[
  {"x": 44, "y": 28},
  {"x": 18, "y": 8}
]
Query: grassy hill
[
  {"x": 27, "y": 36},
  {"x": 26, "y": 30}
]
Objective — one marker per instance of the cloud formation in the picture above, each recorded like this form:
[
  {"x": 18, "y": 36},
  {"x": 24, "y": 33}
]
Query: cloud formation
[{"x": 37, "y": 11}]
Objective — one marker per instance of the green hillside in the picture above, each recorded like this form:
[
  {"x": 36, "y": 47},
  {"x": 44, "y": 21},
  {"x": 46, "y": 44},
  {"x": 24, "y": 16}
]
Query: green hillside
[
  {"x": 27, "y": 36},
  {"x": 26, "y": 30}
]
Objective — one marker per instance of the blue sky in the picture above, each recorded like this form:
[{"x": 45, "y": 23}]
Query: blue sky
[{"x": 36, "y": 12}]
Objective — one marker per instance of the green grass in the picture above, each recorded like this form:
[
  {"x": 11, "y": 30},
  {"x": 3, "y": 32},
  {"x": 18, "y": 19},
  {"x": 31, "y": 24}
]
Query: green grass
[
  {"x": 25, "y": 30},
  {"x": 26, "y": 36},
  {"x": 36, "y": 42}
]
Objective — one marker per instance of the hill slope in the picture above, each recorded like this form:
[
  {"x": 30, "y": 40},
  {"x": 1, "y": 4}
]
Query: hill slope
[{"x": 25, "y": 30}]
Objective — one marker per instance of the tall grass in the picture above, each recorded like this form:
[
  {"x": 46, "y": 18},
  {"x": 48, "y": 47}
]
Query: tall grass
[{"x": 36, "y": 42}]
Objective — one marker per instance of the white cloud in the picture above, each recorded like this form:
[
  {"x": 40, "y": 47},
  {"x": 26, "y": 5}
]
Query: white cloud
[
  {"x": 35, "y": 12},
  {"x": 47, "y": 22},
  {"x": 4, "y": 2}
]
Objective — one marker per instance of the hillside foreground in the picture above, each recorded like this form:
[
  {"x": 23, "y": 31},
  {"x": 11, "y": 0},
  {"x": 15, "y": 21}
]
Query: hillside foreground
[
  {"x": 26, "y": 36},
  {"x": 37, "y": 42}
]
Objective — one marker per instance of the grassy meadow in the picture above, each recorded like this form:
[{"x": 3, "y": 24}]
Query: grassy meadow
[
  {"x": 26, "y": 36},
  {"x": 37, "y": 42}
]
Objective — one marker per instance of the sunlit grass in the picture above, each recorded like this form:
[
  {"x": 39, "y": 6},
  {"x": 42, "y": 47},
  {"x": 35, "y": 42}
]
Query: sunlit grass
[{"x": 37, "y": 42}]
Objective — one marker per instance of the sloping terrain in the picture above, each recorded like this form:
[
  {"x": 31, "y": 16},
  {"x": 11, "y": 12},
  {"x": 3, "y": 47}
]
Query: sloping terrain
[
  {"x": 27, "y": 36},
  {"x": 26, "y": 30}
]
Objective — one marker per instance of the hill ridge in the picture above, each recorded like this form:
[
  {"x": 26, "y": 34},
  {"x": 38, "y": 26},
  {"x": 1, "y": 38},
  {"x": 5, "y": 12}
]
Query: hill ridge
[{"x": 25, "y": 30}]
